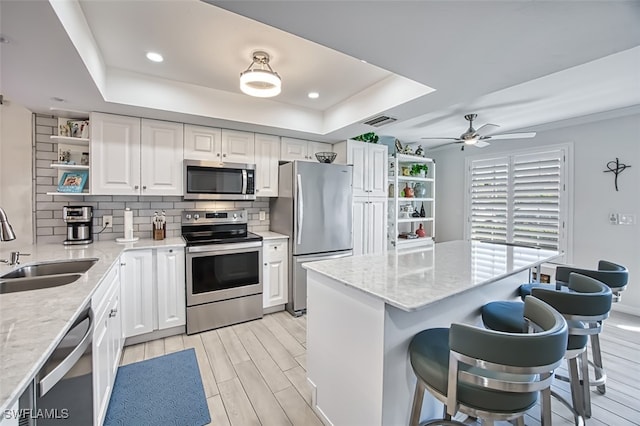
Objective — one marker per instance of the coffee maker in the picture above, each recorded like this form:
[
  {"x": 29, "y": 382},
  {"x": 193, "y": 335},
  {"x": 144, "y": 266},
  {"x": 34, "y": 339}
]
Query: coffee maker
[{"x": 79, "y": 224}]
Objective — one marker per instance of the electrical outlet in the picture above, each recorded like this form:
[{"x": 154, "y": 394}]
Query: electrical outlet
[
  {"x": 626, "y": 218},
  {"x": 263, "y": 215},
  {"x": 107, "y": 221}
]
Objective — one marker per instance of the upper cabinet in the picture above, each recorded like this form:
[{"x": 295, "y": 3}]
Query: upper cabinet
[
  {"x": 298, "y": 149},
  {"x": 267, "y": 156},
  {"x": 133, "y": 156},
  {"x": 212, "y": 144},
  {"x": 369, "y": 166}
]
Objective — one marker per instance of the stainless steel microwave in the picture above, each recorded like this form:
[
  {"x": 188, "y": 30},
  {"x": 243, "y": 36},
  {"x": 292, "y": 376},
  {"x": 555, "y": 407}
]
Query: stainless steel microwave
[{"x": 209, "y": 180}]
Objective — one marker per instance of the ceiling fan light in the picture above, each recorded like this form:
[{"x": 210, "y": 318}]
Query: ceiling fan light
[
  {"x": 260, "y": 82},
  {"x": 472, "y": 140}
]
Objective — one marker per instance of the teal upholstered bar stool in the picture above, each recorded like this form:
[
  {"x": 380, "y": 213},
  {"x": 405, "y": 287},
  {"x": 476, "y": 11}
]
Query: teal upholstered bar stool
[
  {"x": 488, "y": 374},
  {"x": 613, "y": 275},
  {"x": 585, "y": 305}
]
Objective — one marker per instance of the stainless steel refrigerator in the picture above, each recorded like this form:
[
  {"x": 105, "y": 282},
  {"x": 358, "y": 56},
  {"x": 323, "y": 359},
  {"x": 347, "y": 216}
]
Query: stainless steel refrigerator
[{"x": 314, "y": 208}]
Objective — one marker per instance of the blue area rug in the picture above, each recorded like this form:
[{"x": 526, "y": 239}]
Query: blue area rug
[{"x": 166, "y": 390}]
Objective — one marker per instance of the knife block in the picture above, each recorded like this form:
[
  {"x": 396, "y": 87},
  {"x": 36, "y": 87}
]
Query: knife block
[{"x": 160, "y": 234}]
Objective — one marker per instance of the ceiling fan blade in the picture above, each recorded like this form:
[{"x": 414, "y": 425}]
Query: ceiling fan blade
[
  {"x": 481, "y": 144},
  {"x": 524, "y": 135},
  {"x": 444, "y": 139},
  {"x": 444, "y": 144},
  {"x": 487, "y": 128}
]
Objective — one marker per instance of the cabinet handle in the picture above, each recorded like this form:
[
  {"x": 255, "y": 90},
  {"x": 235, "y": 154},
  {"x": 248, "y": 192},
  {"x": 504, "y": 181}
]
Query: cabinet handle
[
  {"x": 136, "y": 187},
  {"x": 275, "y": 247},
  {"x": 113, "y": 313},
  {"x": 170, "y": 250},
  {"x": 265, "y": 264},
  {"x": 123, "y": 264},
  {"x": 224, "y": 155},
  {"x": 144, "y": 187},
  {"x": 218, "y": 155}
]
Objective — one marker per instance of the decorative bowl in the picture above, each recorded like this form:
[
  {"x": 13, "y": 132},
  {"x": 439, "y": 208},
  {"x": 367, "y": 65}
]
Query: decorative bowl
[{"x": 326, "y": 157}]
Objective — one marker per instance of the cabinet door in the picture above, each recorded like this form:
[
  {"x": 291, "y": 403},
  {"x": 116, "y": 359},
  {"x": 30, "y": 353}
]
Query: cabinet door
[
  {"x": 360, "y": 229},
  {"x": 377, "y": 225},
  {"x": 115, "y": 154},
  {"x": 161, "y": 153},
  {"x": 238, "y": 147},
  {"x": 202, "y": 143},
  {"x": 275, "y": 274},
  {"x": 137, "y": 292},
  {"x": 377, "y": 164},
  {"x": 101, "y": 367},
  {"x": 171, "y": 287},
  {"x": 293, "y": 149},
  {"x": 267, "y": 156},
  {"x": 357, "y": 156}
]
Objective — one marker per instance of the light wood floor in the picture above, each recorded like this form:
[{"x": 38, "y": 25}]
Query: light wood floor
[{"x": 254, "y": 373}]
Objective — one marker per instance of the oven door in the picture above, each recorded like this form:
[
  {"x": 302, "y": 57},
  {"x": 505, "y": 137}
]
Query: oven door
[
  {"x": 206, "y": 180},
  {"x": 223, "y": 271}
]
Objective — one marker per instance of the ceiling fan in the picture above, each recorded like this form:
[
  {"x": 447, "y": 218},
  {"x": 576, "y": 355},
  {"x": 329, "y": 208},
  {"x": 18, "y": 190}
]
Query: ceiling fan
[{"x": 474, "y": 137}]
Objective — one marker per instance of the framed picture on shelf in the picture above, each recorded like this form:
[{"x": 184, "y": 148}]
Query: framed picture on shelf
[{"x": 73, "y": 181}]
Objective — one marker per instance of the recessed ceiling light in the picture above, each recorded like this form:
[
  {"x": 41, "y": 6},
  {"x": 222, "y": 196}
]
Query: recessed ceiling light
[
  {"x": 154, "y": 57},
  {"x": 313, "y": 95}
]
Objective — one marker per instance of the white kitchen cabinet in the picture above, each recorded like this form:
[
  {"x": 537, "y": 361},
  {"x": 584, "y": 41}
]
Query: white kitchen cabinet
[
  {"x": 153, "y": 290},
  {"x": 369, "y": 225},
  {"x": 369, "y": 166},
  {"x": 238, "y": 147},
  {"x": 107, "y": 341},
  {"x": 137, "y": 292},
  {"x": 202, "y": 143},
  {"x": 267, "y": 149},
  {"x": 133, "y": 156},
  {"x": 299, "y": 149},
  {"x": 275, "y": 273},
  {"x": 171, "y": 287}
]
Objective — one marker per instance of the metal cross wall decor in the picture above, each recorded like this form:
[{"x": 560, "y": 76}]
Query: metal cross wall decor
[{"x": 616, "y": 168}]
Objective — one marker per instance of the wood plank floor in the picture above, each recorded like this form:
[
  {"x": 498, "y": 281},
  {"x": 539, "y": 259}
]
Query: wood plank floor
[{"x": 255, "y": 374}]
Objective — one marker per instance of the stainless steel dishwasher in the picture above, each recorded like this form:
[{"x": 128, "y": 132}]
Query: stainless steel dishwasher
[{"x": 62, "y": 392}]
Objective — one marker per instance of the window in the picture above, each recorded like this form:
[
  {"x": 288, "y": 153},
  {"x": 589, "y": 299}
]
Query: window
[{"x": 519, "y": 198}]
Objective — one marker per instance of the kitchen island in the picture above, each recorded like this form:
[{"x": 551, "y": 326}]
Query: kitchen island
[{"x": 363, "y": 311}]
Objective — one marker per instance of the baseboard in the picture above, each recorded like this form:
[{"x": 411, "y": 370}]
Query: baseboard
[
  {"x": 154, "y": 335},
  {"x": 273, "y": 309}
]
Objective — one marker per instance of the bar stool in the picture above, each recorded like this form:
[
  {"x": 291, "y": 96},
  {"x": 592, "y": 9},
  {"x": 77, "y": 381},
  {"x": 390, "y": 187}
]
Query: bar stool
[
  {"x": 489, "y": 374},
  {"x": 616, "y": 277},
  {"x": 584, "y": 305}
]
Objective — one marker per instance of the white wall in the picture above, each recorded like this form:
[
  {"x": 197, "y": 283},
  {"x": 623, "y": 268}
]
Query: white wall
[
  {"x": 16, "y": 193},
  {"x": 594, "y": 196}
]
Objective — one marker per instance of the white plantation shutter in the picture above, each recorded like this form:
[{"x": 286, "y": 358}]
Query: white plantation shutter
[
  {"x": 489, "y": 199},
  {"x": 537, "y": 189},
  {"x": 519, "y": 198}
]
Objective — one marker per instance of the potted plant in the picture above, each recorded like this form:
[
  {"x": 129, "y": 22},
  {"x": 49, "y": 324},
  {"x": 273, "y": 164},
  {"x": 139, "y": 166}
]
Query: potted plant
[
  {"x": 419, "y": 170},
  {"x": 367, "y": 137}
]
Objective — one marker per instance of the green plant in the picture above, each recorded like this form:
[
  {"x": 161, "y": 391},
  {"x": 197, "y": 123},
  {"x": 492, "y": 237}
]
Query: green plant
[
  {"x": 367, "y": 137},
  {"x": 415, "y": 169}
]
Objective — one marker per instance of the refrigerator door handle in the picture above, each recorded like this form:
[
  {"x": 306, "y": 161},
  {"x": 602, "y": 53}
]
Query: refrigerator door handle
[
  {"x": 300, "y": 209},
  {"x": 317, "y": 258}
]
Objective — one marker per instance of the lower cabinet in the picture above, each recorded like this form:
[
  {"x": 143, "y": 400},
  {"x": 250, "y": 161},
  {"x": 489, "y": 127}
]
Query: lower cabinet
[
  {"x": 153, "y": 290},
  {"x": 369, "y": 225},
  {"x": 107, "y": 341},
  {"x": 275, "y": 274}
]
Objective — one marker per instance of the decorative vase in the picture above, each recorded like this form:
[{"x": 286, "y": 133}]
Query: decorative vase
[
  {"x": 420, "y": 232},
  {"x": 408, "y": 191},
  {"x": 419, "y": 190},
  {"x": 422, "y": 212}
]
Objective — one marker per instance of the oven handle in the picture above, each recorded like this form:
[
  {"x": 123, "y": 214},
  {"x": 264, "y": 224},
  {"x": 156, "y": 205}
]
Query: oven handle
[
  {"x": 221, "y": 247},
  {"x": 244, "y": 181},
  {"x": 300, "y": 209},
  {"x": 51, "y": 379}
]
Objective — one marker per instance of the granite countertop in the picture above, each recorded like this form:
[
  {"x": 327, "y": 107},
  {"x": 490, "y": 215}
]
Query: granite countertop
[
  {"x": 412, "y": 279},
  {"x": 270, "y": 235},
  {"x": 33, "y": 322}
]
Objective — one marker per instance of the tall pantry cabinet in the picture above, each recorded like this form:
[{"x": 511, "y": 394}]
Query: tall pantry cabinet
[{"x": 369, "y": 193}]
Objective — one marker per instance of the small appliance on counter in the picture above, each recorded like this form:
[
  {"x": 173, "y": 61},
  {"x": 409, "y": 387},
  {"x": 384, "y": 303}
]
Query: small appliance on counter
[{"x": 79, "y": 224}]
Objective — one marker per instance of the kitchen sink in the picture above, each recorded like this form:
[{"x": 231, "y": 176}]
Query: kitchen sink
[
  {"x": 51, "y": 268},
  {"x": 36, "y": 283}
]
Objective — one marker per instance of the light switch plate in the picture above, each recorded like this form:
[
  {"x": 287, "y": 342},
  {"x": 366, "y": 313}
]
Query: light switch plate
[{"x": 626, "y": 218}]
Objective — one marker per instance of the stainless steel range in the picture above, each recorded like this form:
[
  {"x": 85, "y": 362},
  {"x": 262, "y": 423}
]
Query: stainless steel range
[{"x": 224, "y": 269}]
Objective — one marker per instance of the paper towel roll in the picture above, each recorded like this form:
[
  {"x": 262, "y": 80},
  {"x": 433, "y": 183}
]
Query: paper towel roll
[{"x": 128, "y": 224}]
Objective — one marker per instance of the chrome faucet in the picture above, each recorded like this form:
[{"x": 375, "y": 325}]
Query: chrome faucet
[{"x": 6, "y": 231}]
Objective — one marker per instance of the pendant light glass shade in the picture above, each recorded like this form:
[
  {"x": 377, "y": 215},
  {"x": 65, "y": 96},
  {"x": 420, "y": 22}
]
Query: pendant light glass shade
[{"x": 259, "y": 79}]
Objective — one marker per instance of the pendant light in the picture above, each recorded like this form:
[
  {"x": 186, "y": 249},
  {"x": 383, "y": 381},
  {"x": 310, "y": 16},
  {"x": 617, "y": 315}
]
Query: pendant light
[{"x": 260, "y": 79}]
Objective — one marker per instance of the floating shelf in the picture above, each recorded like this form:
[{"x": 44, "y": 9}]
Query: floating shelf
[
  {"x": 408, "y": 199},
  {"x": 69, "y": 166},
  {"x": 71, "y": 141},
  {"x": 411, "y": 179},
  {"x": 415, "y": 219}
]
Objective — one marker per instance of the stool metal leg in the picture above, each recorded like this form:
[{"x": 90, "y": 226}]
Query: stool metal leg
[
  {"x": 600, "y": 375},
  {"x": 418, "y": 395},
  {"x": 545, "y": 406},
  {"x": 584, "y": 385}
]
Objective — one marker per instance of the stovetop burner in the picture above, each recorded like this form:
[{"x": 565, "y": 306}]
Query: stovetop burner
[{"x": 216, "y": 227}]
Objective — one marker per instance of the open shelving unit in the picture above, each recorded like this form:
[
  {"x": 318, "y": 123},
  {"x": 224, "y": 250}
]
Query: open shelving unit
[
  {"x": 401, "y": 213},
  {"x": 76, "y": 145}
]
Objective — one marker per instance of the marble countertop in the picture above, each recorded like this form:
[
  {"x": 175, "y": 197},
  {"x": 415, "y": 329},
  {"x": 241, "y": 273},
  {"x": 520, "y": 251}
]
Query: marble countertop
[
  {"x": 270, "y": 235},
  {"x": 33, "y": 322},
  {"x": 412, "y": 279}
]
